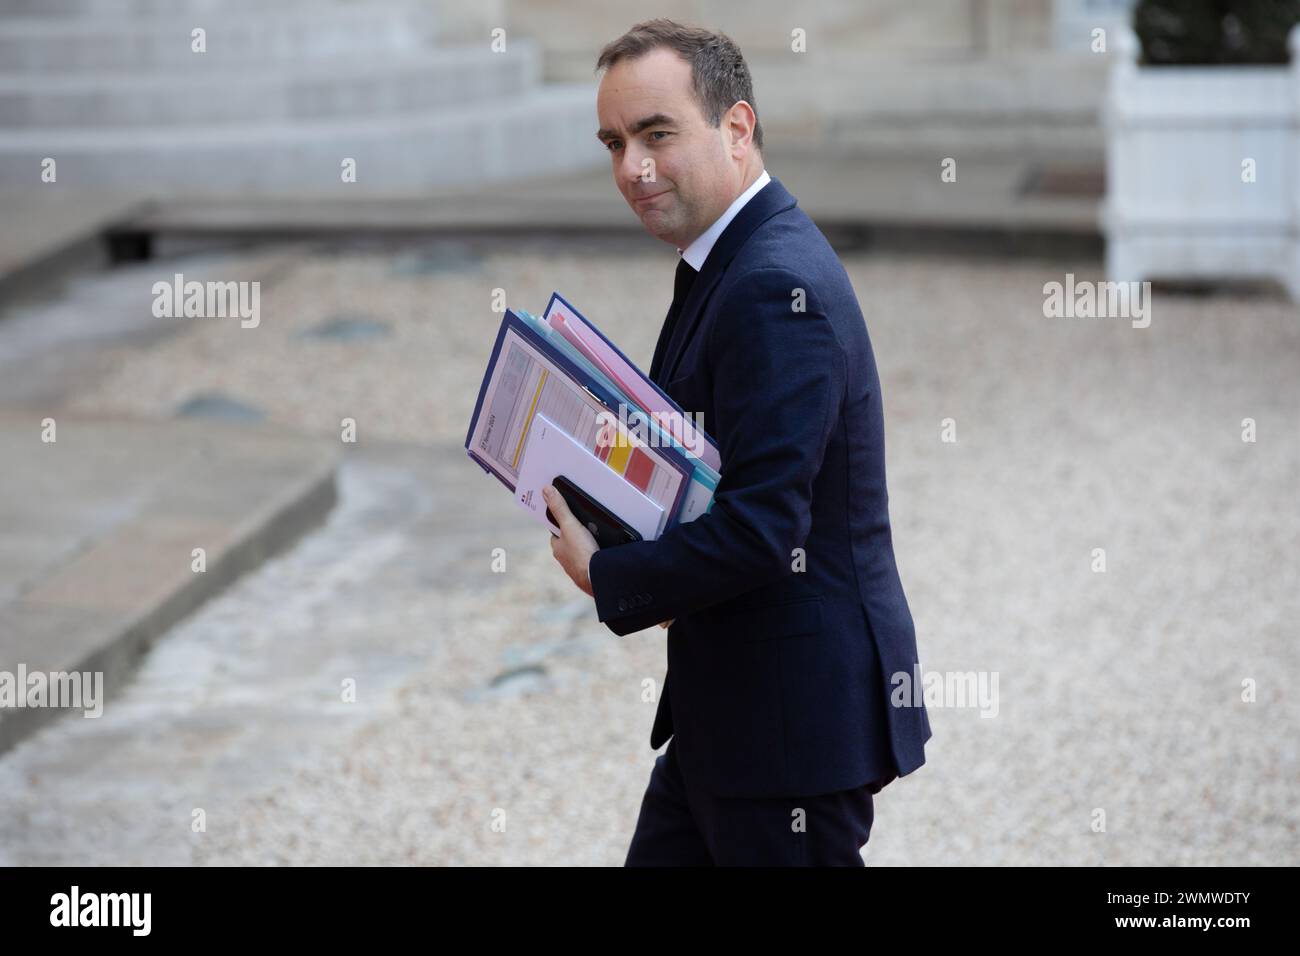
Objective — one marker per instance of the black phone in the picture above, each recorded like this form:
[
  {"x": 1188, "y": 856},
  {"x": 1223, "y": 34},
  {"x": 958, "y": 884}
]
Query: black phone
[{"x": 606, "y": 527}]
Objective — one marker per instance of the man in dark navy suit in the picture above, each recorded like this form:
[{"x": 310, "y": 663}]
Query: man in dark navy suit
[{"x": 791, "y": 649}]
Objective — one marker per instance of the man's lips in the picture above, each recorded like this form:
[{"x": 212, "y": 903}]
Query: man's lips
[{"x": 642, "y": 199}]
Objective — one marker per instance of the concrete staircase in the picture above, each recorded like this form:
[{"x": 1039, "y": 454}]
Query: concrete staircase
[{"x": 285, "y": 92}]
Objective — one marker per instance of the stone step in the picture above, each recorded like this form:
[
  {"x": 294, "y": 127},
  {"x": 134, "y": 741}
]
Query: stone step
[
  {"x": 546, "y": 131},
  {"x": 854, "y": 85},
  {"x": 142, "y": 9},
  {"x": 60, "y": 233},
  {"x": 457, "y": 21},
  {"x": 377, "y": 28},
  {"x": 104, "y": 568},
  {"x": 910, "y": 106},
  {"x": 323, "y": 88}
]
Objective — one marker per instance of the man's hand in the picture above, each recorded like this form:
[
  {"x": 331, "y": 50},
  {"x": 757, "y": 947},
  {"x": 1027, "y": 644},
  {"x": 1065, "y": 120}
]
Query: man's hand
[{"x": 575, "y": 545}]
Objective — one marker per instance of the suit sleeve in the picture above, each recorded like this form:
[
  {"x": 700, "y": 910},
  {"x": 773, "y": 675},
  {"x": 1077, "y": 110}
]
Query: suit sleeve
[{"x": 778, "y": 380}]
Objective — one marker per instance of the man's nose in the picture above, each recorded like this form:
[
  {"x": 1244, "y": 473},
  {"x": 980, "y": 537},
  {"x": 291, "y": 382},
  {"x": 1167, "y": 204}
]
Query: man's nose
[{"x": 632, "y": 167}]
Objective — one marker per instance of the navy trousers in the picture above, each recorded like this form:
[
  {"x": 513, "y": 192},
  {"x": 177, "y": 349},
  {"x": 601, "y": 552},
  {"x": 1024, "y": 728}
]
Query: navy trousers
[{"x": 681, "y": 825}]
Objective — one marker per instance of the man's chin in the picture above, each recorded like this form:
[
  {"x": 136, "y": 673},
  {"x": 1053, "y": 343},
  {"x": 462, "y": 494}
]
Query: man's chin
[{"x": 658, "y": 225}]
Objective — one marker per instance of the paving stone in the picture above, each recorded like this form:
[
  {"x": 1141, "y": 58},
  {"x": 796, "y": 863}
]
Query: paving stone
[{"x": 220, "y": 407}]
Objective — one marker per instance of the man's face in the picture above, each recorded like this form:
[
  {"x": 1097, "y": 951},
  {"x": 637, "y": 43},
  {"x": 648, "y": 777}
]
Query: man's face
[{"x": 676, "y": 171}]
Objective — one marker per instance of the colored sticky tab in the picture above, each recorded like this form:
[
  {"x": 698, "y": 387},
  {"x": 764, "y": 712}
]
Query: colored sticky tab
[
  {"x": 618, "y": 454},
  {"x": 639, "y": 469}
]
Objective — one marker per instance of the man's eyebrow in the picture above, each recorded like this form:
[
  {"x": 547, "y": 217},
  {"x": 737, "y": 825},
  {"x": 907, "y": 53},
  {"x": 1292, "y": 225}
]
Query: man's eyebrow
[{"x": 658, "y": 119}]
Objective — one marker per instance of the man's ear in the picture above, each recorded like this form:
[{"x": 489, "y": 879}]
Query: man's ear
[{"x": 741, "y": 121}]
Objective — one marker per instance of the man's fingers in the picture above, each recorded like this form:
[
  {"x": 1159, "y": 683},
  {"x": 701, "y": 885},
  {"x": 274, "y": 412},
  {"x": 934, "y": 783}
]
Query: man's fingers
[{"x": 559, "y": 508}]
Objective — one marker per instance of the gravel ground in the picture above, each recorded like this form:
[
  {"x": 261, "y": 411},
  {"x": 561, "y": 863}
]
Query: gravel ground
[
  {"x": 1124, "y": 688},
  {"x": 471, "y": 693}
]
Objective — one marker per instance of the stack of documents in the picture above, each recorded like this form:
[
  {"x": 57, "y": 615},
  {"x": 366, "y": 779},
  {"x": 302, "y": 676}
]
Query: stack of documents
[{"x": 558, "y": 398}]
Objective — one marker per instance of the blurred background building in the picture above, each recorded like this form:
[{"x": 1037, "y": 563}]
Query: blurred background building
[
  {"x": 429, "y": 93},
  {"x": 143, "y": 120}
]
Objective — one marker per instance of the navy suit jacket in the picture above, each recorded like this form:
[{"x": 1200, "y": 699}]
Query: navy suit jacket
[{"x": 790, "y": 619}]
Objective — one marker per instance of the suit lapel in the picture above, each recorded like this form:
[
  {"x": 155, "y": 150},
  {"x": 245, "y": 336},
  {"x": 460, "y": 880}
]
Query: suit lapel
[{"x": 766, "y": 203}]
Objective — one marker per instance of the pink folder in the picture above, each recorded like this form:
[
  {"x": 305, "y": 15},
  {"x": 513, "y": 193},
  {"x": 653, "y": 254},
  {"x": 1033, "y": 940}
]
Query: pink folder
[{"x": 662, "y": 410}]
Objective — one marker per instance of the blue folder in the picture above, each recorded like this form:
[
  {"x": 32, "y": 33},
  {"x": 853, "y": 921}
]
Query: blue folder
[{"x": 578, "y": 370}]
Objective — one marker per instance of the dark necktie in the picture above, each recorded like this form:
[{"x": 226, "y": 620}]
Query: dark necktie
[{"x": 682, "y": 283}]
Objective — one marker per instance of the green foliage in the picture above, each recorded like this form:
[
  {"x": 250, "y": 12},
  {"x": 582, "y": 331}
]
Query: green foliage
[{"x": 1186, "y": 32}]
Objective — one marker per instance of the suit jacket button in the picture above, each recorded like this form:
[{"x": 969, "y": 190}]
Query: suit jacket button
[{"x": 622, "y": 604}]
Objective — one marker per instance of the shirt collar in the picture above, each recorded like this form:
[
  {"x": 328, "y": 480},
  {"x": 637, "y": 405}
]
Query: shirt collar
[{"x": 698, "y": 251}]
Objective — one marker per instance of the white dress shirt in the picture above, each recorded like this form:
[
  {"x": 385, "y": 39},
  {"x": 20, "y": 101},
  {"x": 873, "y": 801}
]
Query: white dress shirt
[{"x": 698, "y": 251}]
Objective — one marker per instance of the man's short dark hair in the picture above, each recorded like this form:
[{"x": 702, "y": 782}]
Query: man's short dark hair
[{"x": 719, "y": 75}]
